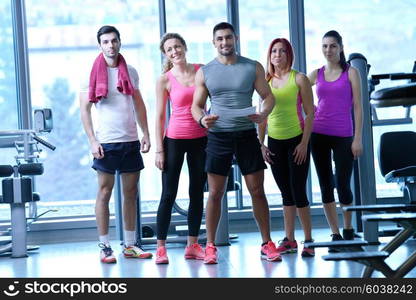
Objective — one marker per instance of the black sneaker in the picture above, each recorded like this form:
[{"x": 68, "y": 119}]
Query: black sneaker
[
  {"x": 335, "y": 237},
  {"x": 348, "y": 234}
]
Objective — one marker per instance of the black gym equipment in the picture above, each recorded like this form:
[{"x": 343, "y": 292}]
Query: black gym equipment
[
  {"x": 372, "y": 100},
  {"x": 17, "y": 191},
  {"x": 375, "y": 260},
  {"x": 397, "y": 164}
]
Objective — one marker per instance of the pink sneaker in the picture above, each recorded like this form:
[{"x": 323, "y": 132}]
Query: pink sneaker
[
  {"x": 161, "y": 255},
  {"x": 270, "y": 253},
  {"x": 194, "y": 251},
  {"x": 210, "y": 254},
  {"x": 287, "y": 246}
]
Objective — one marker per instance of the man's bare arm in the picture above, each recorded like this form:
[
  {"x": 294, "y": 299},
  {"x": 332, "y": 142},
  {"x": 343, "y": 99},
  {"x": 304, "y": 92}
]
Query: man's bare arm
[
  {"x": 263, "y": 89},
  {"x": 141, "y": 116},
  {"x": 86, "y": 119},
  {"x": 199, "y": 102}
]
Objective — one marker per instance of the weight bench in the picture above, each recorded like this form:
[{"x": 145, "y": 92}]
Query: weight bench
[
  {"x": 17, "y": 191},
  {"x": 397, "y": 160},
  {"x": 397, "y": 150},
  {"x": 341, "y": 246},
  {"x": 375, "y": 260},
  {"x": 400, "y": 95},
  {"x": 397, "y": 164},
  {"x": 399, "y": 207}
]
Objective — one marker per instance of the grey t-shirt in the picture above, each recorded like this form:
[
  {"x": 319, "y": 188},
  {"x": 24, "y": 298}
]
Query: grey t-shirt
[{"x": 230, "y": 87}]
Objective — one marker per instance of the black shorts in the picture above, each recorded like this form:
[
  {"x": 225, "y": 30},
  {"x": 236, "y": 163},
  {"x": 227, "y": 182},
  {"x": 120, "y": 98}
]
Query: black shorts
[
  {"x": 244, "y": 146},
  {"x": 124, "y": 157}
]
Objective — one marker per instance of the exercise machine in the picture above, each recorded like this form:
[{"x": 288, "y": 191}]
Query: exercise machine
[
  {"x": 17, "y": 191},
  {"x": 372, "y": 99}
]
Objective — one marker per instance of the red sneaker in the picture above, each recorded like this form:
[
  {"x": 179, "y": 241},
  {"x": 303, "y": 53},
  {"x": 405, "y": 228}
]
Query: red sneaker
[
  {"x": 194, "y": 251},
  {"x": 308, "y": 252},
  {"x": 162, "y": 255},
  {"x": 211, "y": 256},
  {"x": 269, "y": 252},
  {"x": 287, "y": 246}
]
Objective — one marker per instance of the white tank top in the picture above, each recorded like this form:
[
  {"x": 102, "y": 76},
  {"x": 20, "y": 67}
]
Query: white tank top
[{"x": 115, "y": 118}]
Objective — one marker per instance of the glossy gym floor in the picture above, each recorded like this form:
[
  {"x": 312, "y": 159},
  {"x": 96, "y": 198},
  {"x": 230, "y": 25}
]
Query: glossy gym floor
[{"x": 240, "y": 260}]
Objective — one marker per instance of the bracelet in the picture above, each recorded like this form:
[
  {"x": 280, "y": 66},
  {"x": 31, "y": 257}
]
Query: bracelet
[{"x": 200, "y": 122}]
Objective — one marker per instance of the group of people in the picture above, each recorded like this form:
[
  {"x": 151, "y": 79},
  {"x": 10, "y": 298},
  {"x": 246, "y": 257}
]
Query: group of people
[{"x": 213, "y": 139}]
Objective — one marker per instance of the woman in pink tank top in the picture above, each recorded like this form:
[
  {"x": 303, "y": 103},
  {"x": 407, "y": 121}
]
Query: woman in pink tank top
[
  {"x": 182, "y": 136},
  {"x": 338, "y": 90}
]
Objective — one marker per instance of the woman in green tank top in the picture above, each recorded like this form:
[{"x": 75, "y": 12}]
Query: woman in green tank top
[{"x": 287, "y": 149}]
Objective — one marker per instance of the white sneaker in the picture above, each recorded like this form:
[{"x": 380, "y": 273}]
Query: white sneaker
[
  {"x": 136, "y": 252},
  {"x": 107, "y": 254}
]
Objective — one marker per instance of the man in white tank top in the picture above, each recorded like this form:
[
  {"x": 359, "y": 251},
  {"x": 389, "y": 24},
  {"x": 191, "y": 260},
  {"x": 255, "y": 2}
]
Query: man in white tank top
[{"x": 114, "y": 143}]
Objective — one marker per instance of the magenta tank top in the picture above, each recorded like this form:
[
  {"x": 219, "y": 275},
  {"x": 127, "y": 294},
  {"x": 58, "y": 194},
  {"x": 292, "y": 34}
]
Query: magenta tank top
[
  {"x": 181, "y": 123},
  {"x": 333, "y": 115}
]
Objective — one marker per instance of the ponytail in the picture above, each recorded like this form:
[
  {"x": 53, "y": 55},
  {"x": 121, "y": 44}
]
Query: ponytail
[
  {"x": 167, "y": 66},
  {"x": 343, "y": 62}
]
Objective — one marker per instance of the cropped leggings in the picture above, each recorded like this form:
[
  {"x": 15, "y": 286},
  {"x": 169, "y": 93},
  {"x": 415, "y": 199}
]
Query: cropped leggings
[
  {"x": 175, "y": 150},
  {"x": 321, "y": 146},
  {"x": 290, "y": 177}
]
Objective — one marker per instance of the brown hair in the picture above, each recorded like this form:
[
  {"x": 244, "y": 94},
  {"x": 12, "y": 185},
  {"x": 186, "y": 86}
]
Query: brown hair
[
  {"x": 342, "y": 61},
  {"x": 167, "y": 36},
  {"x": 107, "y": 29},
  {"x": 290, "y": 56}
]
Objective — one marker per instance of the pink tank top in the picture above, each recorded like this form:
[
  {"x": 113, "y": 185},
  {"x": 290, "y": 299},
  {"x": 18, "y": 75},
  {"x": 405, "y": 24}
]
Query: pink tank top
[
  {"x": 333, "y": 115},
  {"x": 181, "y": 123}
]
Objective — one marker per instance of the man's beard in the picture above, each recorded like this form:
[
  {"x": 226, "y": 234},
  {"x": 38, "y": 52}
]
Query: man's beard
[{"x": 227, "y": 52}]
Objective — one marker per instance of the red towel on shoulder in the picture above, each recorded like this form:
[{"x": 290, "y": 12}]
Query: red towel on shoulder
[{"x": 98, "y": 87}]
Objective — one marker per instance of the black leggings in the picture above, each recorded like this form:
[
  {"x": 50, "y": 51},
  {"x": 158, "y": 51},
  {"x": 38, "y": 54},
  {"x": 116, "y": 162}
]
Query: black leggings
[
  {"x": 290, "y": 177},
  {"x": 322, "y": 145},
  {"x": 175, "y": 150}
]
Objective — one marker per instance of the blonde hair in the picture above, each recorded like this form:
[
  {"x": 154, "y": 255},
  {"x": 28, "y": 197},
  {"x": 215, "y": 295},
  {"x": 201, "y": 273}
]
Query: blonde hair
[{"x": 167, "y": 36}]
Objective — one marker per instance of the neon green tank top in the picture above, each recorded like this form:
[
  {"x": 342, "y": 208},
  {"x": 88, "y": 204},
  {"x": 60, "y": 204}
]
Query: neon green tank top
[{"x": 286, "y": 119}]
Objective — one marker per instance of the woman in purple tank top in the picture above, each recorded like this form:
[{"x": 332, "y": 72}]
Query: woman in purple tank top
[
  {"x": 182, "y": 137},
  {"x": 334, "y": 136}
]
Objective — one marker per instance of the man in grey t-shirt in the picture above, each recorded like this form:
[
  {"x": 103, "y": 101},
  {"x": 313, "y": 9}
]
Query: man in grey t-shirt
[{"x": 230, "y": 80}]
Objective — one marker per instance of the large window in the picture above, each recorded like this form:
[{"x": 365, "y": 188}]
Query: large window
[
  {"x": 8, "y": 96},
  {"x": 385, "y": 33},
  {"x": 62, "y": 47},
  {"x": 260, "y": 23},
  {"x": 8, "y": 99},
  {"x": 194, "y": 21}
]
